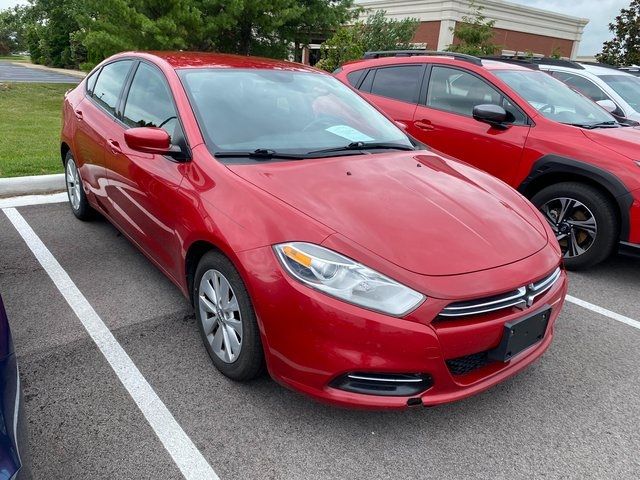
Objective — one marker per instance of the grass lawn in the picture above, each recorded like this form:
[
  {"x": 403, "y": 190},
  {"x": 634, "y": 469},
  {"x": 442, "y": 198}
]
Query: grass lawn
[
  {"x": 30, "y": 120},
  {"x": 15, "y": 58}
]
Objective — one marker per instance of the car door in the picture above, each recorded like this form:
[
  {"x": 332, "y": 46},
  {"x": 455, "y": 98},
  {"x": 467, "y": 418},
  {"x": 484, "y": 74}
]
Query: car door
[
  {"x": 395, "y": 89},
  {"x": 142, "y": 187},
  {"x": 444, "y": 120},
  {"x": 95, "y": 118}
]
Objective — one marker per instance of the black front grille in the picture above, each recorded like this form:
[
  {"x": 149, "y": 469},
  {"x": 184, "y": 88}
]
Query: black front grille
[{"x": 468, "y": 363}]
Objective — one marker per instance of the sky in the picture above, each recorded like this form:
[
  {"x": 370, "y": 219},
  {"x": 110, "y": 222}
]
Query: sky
[{"x": 599, "y": 12}]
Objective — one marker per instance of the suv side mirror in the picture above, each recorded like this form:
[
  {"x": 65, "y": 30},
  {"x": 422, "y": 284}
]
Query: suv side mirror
[
  {"x": 608, "y": 105},
  {"x": 150, "y": 140},
  {"x": 494, "y": 115}
]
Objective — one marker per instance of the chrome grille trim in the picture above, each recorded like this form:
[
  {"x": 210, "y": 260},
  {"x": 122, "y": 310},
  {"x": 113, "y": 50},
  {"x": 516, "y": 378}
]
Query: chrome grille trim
[{"x": 522, "y": 297}]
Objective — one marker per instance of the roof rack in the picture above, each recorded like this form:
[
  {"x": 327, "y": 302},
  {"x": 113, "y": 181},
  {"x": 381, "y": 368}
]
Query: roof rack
[
  {"x": 516, "y": 61},
  {"x": 539, "y": 59},
  {"x": 411, "y": 53},
  {"x": 558, "y": 62}
]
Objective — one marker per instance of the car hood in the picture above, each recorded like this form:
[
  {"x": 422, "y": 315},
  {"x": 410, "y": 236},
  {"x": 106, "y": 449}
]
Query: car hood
[
  {"x": 623, "y": 140},
  {"x": 424, "y": 213}
]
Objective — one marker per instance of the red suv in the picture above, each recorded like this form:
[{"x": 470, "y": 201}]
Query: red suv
[{"x": 568, "y": 155}]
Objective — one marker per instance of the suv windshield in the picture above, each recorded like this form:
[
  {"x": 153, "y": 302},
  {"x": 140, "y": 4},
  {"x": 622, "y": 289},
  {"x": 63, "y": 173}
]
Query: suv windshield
[
  {"x": 271, "y": 112},
  {"x": 628, "y": 87},
  {"x": 554, "y": 99}
]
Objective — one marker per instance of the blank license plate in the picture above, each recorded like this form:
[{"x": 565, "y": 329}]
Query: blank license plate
[{"x": 520, "y": 335}]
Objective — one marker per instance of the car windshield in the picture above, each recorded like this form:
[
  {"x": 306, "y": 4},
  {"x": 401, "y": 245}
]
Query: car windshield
[
  {"x": 554, "y": 99},
  {"x": 289, "y": 112},
  {"x": 627, "y": 86}
]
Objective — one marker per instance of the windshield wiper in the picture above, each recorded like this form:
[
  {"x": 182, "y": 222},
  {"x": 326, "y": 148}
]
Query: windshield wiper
[
  {"x": 259, "y": 154},
  {"x": 365, "y": 146},
  {"x": 591, "y": 126}
]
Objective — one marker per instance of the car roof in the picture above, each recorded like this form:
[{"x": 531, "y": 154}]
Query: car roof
[
  {"x": 599, "y": 70},
  {"x": 442, "y": 59},
  {"x": 182, "y": 60},
  {"x": 587, "y": 68}
]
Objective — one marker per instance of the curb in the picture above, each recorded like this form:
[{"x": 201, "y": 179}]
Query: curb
[
  {"x": 11, "y": 187},
  {"x": 73, "y": 73}
]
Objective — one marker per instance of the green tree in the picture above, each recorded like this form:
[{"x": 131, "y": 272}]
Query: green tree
[
  {"x": 474, "y": 34},
  {"x": 624, "y": 47},
  {"x": 318, "y": 19},
  {"x": 49, "y": 28},
  {"x": 111, "y": 26},
  {"x": 69, "y": 33},
  {"x": 378, "y": 32},
  {"x": 248, "y": 27},
  {"x": 12, "y": 33}
]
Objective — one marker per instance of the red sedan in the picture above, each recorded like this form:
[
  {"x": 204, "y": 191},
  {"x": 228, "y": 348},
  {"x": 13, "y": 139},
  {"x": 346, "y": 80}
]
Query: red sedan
[{"x": 311, "y": 234}]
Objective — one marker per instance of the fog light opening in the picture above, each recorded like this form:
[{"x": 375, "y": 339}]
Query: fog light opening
[
  {"x": 384, "y": 384},
  {"x": 414, "y": 402}
]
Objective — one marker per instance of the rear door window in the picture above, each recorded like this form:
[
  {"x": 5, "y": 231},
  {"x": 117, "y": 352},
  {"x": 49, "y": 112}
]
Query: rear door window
[
  {"x": 109, "y": 84},
  {"x": 400, "y": 83}
]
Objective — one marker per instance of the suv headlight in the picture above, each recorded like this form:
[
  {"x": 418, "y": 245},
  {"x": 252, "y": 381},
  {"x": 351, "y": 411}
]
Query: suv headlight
[{"x": 341, "y": 277}]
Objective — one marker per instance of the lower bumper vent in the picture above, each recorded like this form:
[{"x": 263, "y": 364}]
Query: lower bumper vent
[
  {"x": 384, "y": 384},
  {"x": 468, "y": 363}
]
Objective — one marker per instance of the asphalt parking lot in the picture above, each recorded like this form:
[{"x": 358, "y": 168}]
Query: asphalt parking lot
[
  {"x": 12, "y": 72},
  {"x": 573, "y": 414}
]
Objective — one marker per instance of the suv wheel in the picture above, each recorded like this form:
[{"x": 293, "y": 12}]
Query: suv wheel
[{"x": 583, "y": 219}]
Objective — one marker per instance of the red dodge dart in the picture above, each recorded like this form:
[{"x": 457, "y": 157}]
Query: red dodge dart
[{"x": 311, "y": 234}]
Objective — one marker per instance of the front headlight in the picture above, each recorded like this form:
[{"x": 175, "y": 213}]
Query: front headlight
[{"x": 341, "y": 277}]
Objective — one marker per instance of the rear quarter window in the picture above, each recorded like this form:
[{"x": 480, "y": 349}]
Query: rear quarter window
[
  {"x": 91, "y": 81},
  {"x": 354, "y": 77}
]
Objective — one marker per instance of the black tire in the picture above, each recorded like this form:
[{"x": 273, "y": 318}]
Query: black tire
[
  {"x": 604, "y": 212},
  {"x": 250, "y": 361},
  {"x": 82, "y": 210}
]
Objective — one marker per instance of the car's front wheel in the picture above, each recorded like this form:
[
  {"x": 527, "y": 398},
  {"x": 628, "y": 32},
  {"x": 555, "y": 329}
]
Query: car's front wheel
[
  {"x": 226, "y": 318},
  {"x": 583, "y": 219},
  {"x": 75, "y": 191}
]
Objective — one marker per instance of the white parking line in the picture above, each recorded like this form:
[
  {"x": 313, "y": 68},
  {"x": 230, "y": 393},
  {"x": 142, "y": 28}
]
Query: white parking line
[
  {"x": 603, "y": 311},
  {"x": 184, "y": 453},
  {"x": 25, "y": 200}
]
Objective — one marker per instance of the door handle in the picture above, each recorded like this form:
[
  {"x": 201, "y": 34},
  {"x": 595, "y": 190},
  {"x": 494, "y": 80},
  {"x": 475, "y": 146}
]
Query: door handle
[
  {"x": 78, "y": 114},
  {"x": 424, "y": 125},
  {"x": 114, "y": 147}
]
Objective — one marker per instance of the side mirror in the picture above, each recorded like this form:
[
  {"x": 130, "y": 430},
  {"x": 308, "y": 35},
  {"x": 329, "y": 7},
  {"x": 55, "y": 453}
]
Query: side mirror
[
  {"x": 494, "y": 115},
  {"x": 150, "y": 140},
  {"x": 608, "y": 105}
]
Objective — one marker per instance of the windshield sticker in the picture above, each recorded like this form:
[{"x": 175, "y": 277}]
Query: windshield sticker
[{"x": 349, "y": 133}]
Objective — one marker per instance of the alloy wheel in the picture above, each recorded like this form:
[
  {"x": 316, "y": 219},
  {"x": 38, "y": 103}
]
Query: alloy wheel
[
  {"x": 73, "y": 184},
  {"x": 573, "y": 223},
  {"x": 220, "y": 315}
]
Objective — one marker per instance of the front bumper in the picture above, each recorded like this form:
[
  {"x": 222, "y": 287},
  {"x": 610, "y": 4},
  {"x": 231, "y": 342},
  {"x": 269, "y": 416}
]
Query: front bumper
[{"x": 311, "y": 339}]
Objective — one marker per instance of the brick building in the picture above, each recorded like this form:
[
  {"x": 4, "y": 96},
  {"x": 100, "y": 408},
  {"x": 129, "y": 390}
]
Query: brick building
[{"x": 517, "y": 27}]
